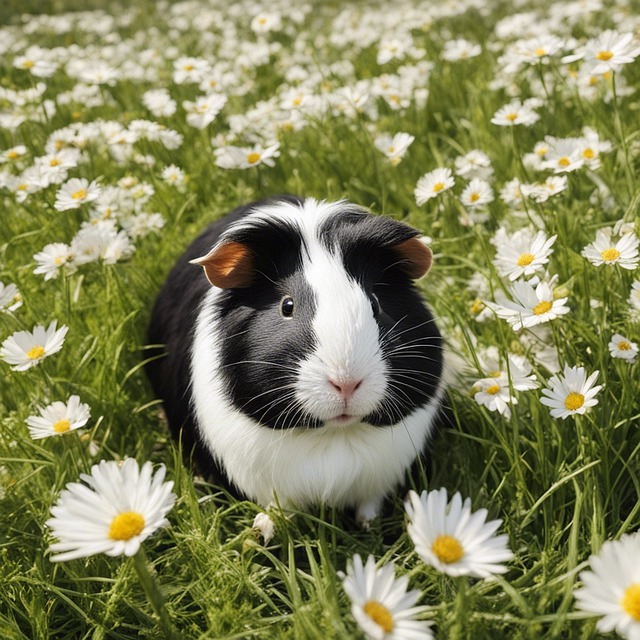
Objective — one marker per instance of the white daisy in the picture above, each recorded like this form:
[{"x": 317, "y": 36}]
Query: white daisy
[
  {"x": 521, "y": 253},
  {"x": 10, "y": 298},
  {"x": 76, "y": 192},
  {"x": 571, "y": 393},
  {"x": 53, "y": 258},
  {"x": 394, "y": 147},
  {"x": 460, "y": 49},
  {"x": 474, "y": 164},
  {"x": 432, "y": 184},
  {"x": 26, "y": 349},
  {"x": 118, "y": 507},
  {"x": 542, "y": 191},
  {"x": 231, "y": 157},
  {"x": 449, "y": 537},
  {"x": 606, "y": 52},
  {"x": 476, "y": 194},
  {"x": 204, "y": 110},
  {"x": 381, "y": 604},
  {"x": 621, "y": 347},
  {"x": 515, "y": 113},
  {"x": 603, "y": 250},
  {"x": 611, "y": 588},
  {"x": 159, "y": 102},
  {"x": 529, "y": 306},
  {"x": 59, "y": 418},
  {"x": 494, "y": 394}
]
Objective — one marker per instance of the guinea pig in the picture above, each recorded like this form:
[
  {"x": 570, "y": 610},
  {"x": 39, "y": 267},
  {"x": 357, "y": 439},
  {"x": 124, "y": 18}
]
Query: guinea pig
[{"x": 299, "y": 361}]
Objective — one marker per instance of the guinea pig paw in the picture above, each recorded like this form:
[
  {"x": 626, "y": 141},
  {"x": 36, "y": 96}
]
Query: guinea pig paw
[
  {"x": 367, "y": 512},
  {"x": 263, "y": 527}
]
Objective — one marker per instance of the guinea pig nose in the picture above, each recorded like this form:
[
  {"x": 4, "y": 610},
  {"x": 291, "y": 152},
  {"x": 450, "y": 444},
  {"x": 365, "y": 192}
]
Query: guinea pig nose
[{"x": 346, "y": 388}]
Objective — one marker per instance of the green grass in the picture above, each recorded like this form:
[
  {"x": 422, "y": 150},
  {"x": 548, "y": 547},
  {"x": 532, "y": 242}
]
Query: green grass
[{"x": 561, "y": 487}]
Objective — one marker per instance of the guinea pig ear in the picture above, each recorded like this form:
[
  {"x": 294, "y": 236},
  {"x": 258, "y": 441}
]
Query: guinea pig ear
[
  {"x": 228, "y": 265},
  {"x": 415, "y": 257}
]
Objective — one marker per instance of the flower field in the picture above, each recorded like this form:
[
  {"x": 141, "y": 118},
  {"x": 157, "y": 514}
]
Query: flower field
[{"x": 507, "y": 133}]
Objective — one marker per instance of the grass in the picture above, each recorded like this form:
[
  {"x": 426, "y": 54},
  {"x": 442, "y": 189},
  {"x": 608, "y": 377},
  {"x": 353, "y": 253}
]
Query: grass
[{"x": 562, "y": 487}]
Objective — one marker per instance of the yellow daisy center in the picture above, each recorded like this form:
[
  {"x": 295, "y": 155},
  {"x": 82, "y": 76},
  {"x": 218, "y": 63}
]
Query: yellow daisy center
[
  {"x": 380, "y": 615},
  {"x": 35, "y": 352},
  {"x": 588, "y": 153},
  {"x": 54, "y": 162},
  {"x": 623, "y": 345},
  {"x": 564, "y": 161},
  {"x": 126, "y": 525},
  {"x": 511, "y": 117},
  {"x": 540, "y": 52},
  {"x": 631, "y": 601},
  {"x": 79, "y": 194},
  {"x": 474, "y": 197},
  {"x": 542, "y": 307},
  {"x": 525, "y": 259},
  {"x": 62, "y": 425},
  {"x": 493, "y": 389},
  {"x": 28, "y": 64},
  {"x": 610, "y": 255},
  {"x": 188, "y": 67},
  {"x": 477, "y": 306},
  {"x": 438, "y": 186},
  {"x": 12, "y": 155},
  {"x": 297, "y": 101},
  {"x": 574, "y": 401},
  {"x": 494, "y": 374},
  {"x": 391, "y": 149},
  {"x": 447, "y": 549},
  {"x": 604, "y": 55},
  {"x": 253, "y": 157},
  {"x": 22, "y": 187}
]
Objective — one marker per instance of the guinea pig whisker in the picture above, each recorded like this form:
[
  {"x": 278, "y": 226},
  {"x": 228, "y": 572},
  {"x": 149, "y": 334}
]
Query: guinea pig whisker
[{"x": 267, "y": 362}]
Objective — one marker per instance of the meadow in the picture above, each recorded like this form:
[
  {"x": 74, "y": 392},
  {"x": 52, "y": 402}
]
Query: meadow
[{"x": 506, "y": 132}]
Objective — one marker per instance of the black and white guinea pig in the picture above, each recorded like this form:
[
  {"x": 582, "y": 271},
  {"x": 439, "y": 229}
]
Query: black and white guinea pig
[{"x": 303, "y": 365}]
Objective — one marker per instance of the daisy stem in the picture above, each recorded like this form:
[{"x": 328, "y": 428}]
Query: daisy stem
[
  {"x": 623, "y": 139},
  {"x": 152, "y": 591},
  {"x": 460, "y": 611}
]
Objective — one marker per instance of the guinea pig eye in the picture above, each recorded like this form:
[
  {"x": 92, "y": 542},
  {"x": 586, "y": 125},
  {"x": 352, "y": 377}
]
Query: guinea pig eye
[
  {"x": 375, "y": 305},
  {"x": 286, "y": 307}
]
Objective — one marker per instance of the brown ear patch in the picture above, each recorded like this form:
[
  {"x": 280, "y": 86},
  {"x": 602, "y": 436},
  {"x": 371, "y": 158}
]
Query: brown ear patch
[
  {"x": 228, "y": 265},
  {"x": 416, "y": 258}
]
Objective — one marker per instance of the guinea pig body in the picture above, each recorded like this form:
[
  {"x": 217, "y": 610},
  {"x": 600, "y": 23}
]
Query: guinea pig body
[{"x": 305, "y": 367}]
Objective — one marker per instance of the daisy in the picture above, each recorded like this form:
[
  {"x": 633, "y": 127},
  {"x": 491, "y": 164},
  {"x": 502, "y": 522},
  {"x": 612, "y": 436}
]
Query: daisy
[
  {"x": 12, "y": 154},
  {"x": 606, "y": 52},
  {"x": 562, "y": 155},
  {"x": 381, "y": 604},
  {"x": 494, "y": 394},
  {"x": 460, "y": 49},
  {"x": 542, "y": 191},
  {"x": 603, "y": 250},
  {"x": 530, "y": 306},
  {"x": 433, "y": 184},
  {"x": 474, "y": 164},
  {"x": 571, "y": 393},
  {"x": 476, "y": 193},
  {"x": 113, "y": 512},
  {"x": 513, "y": 114},
  {"x": 621, "y": 347},
  {"x": 231, "y": 157},
  {"x": 58, "y": 418},
  {"x": 204, "y": 110},
  {"x": 26, "y": 349},
  {"x": 394, "y": 147},
  {"x": 159, "y": 102},
  {"x": 187, "y": 70},
  {"x": 10, "y": 298},
  {"x": 611, "y": 588},
  {"x": 449, "y": 537},
  {"x": 76, "y": 192},
  {"x": 53, "y": 258},
  {"x": 265, "y": 22},
  {"x": 535, "y": 50},
  {"x": 521, "y": 253}
]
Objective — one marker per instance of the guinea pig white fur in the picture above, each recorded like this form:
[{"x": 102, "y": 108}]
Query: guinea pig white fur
[{"x": 305, "y": 367}]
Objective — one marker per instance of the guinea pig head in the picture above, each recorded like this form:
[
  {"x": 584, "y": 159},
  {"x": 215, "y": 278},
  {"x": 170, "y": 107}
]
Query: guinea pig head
[{"x": 318, "y": 320}]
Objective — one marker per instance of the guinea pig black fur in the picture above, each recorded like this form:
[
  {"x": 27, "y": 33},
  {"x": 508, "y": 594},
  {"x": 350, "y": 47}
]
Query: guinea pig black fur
[{"x": 300, "y": 362}]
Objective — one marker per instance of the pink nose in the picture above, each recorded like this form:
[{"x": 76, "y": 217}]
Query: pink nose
[{"x": 346, "y": 388}]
